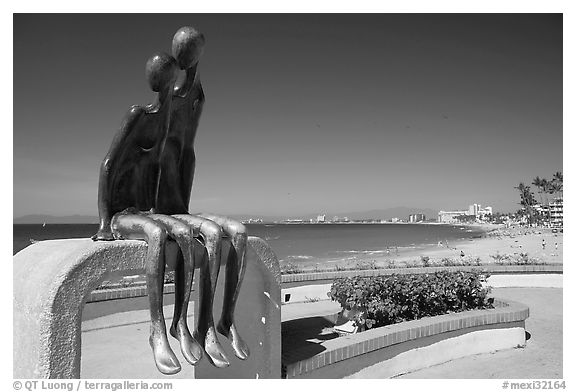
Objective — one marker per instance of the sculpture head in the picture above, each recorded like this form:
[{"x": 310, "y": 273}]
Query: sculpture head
[
  {"x": 187, "y": 47},
  {"x": 161, "y": 71}
]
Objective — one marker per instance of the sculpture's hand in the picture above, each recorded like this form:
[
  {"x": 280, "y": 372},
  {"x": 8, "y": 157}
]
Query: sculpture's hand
[{"x": 103, "y": 235}]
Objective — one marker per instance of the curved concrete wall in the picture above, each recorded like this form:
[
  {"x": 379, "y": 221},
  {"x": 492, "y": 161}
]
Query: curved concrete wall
[
  {"x": 412, "y": 345},
  {"x": 52, "y": 280}
]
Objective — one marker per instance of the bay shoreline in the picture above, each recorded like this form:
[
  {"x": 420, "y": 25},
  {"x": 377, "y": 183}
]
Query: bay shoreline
[{"x": 541, "y": 245}]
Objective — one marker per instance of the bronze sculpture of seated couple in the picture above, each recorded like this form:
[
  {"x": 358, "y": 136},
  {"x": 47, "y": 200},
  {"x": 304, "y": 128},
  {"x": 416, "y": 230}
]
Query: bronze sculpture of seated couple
[{"x": 144, "y": 192}]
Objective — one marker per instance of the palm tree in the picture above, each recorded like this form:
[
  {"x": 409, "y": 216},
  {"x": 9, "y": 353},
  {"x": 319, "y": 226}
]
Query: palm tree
[
  {"x": 538, "y": 182},
  {"x": 526, "y": 199},
  {"x": 545, "y": 187},
  {"x": 558, "y": 181}
]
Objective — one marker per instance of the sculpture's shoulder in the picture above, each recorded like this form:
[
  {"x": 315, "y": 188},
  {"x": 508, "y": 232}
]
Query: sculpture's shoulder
[
  {"x": 125, "y": 134},
  {"x": 130, "y": 123},
  {"x": 132, "y": 117}
]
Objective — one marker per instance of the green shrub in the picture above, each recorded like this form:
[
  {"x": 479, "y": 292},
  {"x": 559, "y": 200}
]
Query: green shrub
[
  {"x": 524, "y": 259},
  {"x": 104, "y": 285},
  {"x": 389, "y": 299},
  {"x": 448, "y": 262},
  {"x": 290, "y": 268},
  {"x": 501, "y": 258},
  {"x": 366, "y": 265},
  {"x": 411, "y": 264},
  {"x": 516, "y": 259},
  {"x": 425, "y": 261}
]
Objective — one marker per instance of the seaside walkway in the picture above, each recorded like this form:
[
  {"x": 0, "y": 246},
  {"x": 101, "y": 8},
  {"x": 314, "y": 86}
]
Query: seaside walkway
[
  {"x": 540, "y": 359},
  {"x": 103, "y": 333}
]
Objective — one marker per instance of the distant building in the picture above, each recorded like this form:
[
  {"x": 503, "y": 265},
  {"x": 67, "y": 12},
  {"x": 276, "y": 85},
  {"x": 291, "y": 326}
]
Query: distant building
[
  {"x": 479, "y": 212},
  {"x": 450, "y": 216},
  {"x": 557, "y": 213},
  {"x": 474, "y": 210},
  {"x": 321, "y": 218},
  {"x": 294, "y": 221},
  {"x": 414, "y": 218},
  {"x": 394, "y": 220}
]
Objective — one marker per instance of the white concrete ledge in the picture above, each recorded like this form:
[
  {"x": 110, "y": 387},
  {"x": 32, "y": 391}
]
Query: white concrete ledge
[
  {"x": 51, "y": 282},
  {"x": 472, "y": 343}
]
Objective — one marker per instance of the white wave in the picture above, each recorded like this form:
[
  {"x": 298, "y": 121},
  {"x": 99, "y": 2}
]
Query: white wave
[{"x": 299, "y": 257}]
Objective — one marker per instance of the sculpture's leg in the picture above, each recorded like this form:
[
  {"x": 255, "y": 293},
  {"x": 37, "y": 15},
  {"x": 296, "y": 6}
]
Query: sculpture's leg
[
  {"x": 235, "y": 268},
  {"x": 138, "y": 227},
  {"x": 211, "y": 234},
  {"x": 184, "y": 275}
]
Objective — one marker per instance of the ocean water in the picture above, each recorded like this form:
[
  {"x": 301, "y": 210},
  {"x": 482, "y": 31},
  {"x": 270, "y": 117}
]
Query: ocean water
[{"x": 300, "y": 243}]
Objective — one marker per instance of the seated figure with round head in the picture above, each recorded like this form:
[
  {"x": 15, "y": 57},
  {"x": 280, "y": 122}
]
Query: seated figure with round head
[
  {"x": 178, "y": 163},
  {"x": 127, "y": 195}
]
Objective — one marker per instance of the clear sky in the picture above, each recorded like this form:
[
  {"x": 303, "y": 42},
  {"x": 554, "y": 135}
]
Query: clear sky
[{"x": 303, "y": 113}]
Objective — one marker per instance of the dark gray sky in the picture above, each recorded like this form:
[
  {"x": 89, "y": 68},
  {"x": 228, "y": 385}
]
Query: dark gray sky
[{"x": 304, "y": 113}]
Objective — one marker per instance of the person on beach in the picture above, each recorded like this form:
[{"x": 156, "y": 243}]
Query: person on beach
[
  {"x": 543, "y": 244},
  {"x": 127, "y": 194}
]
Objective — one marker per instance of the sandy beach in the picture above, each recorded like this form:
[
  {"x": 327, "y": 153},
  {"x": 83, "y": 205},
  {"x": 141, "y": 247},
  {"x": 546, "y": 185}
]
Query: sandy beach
[
  {"x": 496, "y": 240},
  {"x": 502, "y": 241}
]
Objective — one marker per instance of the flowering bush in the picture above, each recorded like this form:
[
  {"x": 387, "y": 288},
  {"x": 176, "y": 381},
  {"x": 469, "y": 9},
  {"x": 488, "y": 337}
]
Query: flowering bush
[{"x": 389, "y": 299}]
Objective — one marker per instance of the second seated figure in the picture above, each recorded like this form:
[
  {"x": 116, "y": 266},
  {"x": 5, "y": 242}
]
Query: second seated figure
[{"x": 178, "y": 163}]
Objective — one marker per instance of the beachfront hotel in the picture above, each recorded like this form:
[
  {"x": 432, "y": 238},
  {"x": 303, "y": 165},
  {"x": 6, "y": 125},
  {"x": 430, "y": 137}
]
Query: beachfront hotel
[
  {"x": 557, "y": 213},
  {"x": 475, "y": 210}
]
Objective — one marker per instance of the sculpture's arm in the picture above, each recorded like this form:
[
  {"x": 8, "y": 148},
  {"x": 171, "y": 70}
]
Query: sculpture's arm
[
  {"x": 108, "y": 169},
  {"x": 188, "y": 165}
]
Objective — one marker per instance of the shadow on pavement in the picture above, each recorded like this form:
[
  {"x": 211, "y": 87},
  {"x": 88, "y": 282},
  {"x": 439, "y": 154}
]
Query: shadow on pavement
[{"x": 302, "y": 338}]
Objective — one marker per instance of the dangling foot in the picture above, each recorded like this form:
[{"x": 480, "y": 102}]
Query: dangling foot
[
  {"x": 164, "y": 357},
  {"x": 213, "y": 348},
  {"x": 240, "y": 348},
  {"x": 191, "y": 349}
]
